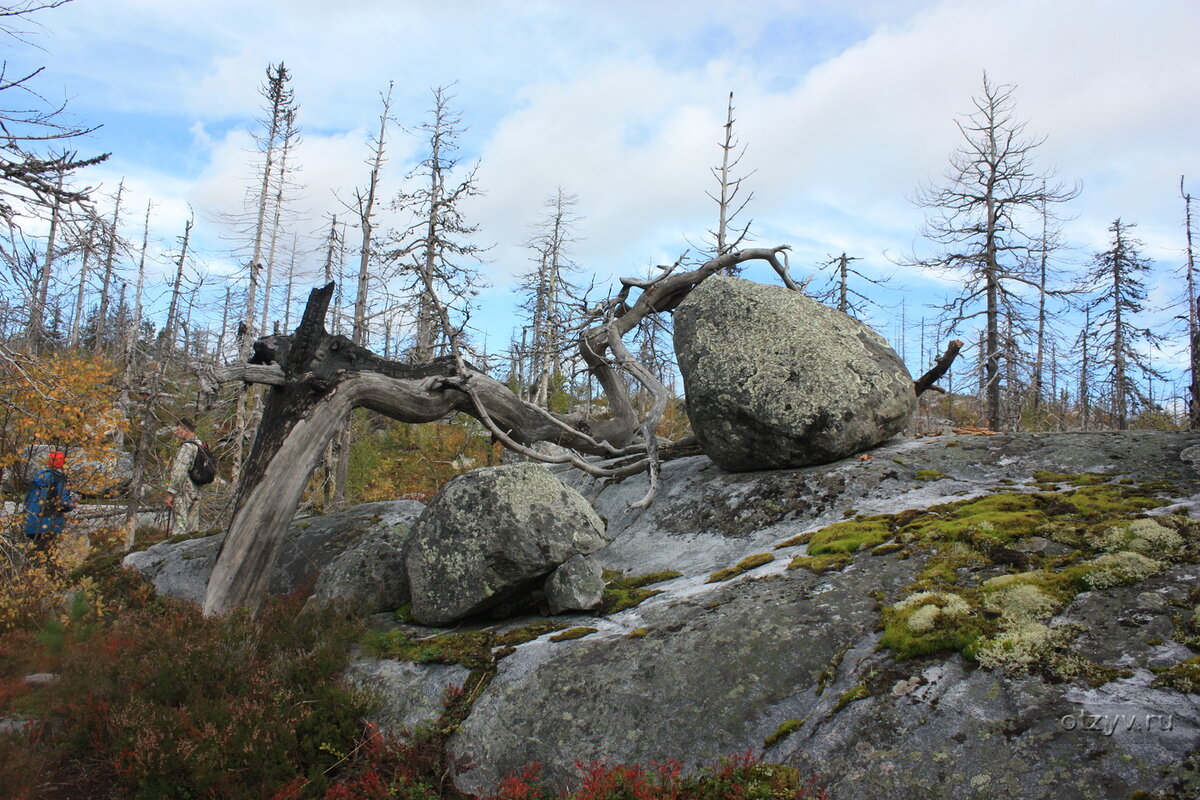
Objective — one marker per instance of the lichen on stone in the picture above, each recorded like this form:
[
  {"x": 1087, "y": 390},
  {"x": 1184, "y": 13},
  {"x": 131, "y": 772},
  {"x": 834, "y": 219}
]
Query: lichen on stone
[{"x": 1119, "y": 569}]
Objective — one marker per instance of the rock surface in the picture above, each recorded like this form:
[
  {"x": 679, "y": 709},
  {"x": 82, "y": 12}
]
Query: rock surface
[
  {"x": 182, "y": 569},
  {"x": 492, "y": 534},
  {"x": 774, "y": 379},
  {"x": 369, "y": 576},
  {"x": 709, "y": 669},
  {"x": 577, "y": 585}
]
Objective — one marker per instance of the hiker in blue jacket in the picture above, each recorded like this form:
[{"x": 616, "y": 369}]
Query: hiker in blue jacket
[{"x": 47, "y": 501}]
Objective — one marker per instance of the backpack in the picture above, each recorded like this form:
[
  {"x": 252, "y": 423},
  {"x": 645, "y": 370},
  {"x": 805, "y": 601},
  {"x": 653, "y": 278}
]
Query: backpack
[
  {"x": 204, "y": 467},
  {"x": 50, "y": 502},
  {"x": 53, "y": 502}
]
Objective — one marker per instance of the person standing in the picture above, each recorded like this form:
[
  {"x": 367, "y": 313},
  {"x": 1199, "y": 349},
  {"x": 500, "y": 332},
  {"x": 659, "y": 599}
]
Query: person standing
[
  {"x": 183, "y": 494},
  {"x": 47, "y": 501}
]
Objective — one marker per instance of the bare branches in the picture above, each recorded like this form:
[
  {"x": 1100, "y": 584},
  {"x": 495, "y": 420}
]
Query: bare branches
[{"x": 940, "y": 368}]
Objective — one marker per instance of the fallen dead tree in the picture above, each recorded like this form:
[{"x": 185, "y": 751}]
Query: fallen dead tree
[{"x": 316, "y": 378}]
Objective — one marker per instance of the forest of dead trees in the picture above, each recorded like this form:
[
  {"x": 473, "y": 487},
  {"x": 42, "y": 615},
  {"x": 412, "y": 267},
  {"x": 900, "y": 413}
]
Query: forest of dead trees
[{"x": 1054, "y": 340}]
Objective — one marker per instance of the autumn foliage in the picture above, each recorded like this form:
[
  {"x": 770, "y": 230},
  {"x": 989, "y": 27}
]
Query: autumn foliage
[{"x": 67, "y": 401}]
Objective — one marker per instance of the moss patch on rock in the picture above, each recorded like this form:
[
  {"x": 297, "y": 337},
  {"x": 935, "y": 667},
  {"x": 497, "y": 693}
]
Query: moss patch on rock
[
  {"x": 819, "y": 564},
  {"x": 622, "y": 592},
  {"x": 1182, "y": 677},
  {"x": 573, "y": 633},
  {"x": 850, "y": 536},
  {"x": 745, "y": 565},
  {"x": 785, "y": 729},
  {"x": 968, "y": 599}
]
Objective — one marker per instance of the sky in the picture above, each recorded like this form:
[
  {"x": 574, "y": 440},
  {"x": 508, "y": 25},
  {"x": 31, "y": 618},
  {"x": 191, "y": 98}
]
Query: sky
[{"x": 844, "y": 109}]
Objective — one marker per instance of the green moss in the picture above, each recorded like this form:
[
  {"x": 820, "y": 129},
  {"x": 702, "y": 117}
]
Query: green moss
[
  {"x": 472, "y": 649},
  {"x": 528, "y": 633},
  {"x": 573, "y": 633},
  {"x": 622, "y": 592},
  {"x": 1103, "y": 501},
  {"x": 933, "y": 622},
  {"x": 404, "y": 613},
  {"x": 1045, "y": 476},
  {"x": 850, "y": 536},
  {"x": 886, "y": 548},
  {"x": 931, "y": 475},
  {"x": 785, "y": 729},
  {"x": 819, "y": 564},
  {"x": 795, "y": 541},
  {"x": 857, "y": 692},
  {"x": 746, "y": 564},
  {"x": 996, "y": 518},
  {"x": 637, "y": 633}
]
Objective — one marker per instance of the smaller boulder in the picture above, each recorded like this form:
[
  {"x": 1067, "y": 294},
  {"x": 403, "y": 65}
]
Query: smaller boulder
[
  {"x": 367, "y": 578},
  {"x": 577, "y": 585},
  {"x": 182, "y": 569},
  {"x": 494, "y": 534}
]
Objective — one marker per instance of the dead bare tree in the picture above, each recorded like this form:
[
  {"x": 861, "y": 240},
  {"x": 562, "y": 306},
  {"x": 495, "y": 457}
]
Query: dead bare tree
[
  {"x": 728, "y": 187},
  {"x": 432, "y": 251},
  {"x": 547, "y": 291},
  {"x": 977, "y": 219},
  {"x": 317, "y": 378},
  {"x": 1193, "y": 314}
]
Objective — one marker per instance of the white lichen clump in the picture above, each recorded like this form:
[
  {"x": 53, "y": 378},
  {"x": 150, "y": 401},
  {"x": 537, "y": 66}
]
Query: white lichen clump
[
  {"x": 1117, "y": 569},
  {"x": 932, "y": 607},
  {"x": 1152, "y": 539},
  {"x": 1145, "y": 536},
  {"x": 1016, "y": 648},
  {"x": 1022, "y": 602},
  {"x": 1021, "y": 646}
]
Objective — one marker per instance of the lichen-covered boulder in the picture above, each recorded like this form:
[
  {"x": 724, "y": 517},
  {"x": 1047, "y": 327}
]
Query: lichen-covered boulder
[
  {"x": 578, "y": 585},
  {"x": 492, "y": 534},
  {"x": 367, "y": 577},
  {"x": 774, "y": 379},
  {"x": 182, "y": 569}
]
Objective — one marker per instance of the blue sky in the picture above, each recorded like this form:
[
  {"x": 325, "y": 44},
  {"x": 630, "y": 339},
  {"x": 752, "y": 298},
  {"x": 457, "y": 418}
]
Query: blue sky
[{"x": 844, "y": 108}]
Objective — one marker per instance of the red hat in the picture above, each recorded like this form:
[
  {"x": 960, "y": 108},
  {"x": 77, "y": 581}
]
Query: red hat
[{"x": 57, "y": 458}]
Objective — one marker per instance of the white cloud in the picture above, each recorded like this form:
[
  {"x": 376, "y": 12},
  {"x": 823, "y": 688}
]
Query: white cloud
[{"x": 842, "y": 110}]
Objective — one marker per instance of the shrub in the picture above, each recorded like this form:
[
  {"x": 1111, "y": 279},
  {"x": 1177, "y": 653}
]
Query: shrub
[
  {"x": 164, "y": 702},
  {"x": 740, "y": 777}
]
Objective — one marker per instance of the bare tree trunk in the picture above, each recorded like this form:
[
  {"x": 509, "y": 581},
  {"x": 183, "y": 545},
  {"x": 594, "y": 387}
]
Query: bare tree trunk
[
  {"x": 109, "y": 260},
  {"x": 142, "y": 452},
  {"x": 728, "y": 188},
  {"x": 1084, "y": 371},
  {"x": 1193, "y": 314},
  {"x": 37, "y": 311},
  {"x": 77, "y": 321},
  {"x": 289, "y": 135},
  {"x": 279, "y": 100}
]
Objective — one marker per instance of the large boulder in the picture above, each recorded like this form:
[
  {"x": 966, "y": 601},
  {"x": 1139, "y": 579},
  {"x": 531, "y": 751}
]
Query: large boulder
[
  {"x": 493, "y": 534},
  {"x": 182, "y": 569},
  {"x": 774, "y": 379},
  {"x": 367, "y": 577}
]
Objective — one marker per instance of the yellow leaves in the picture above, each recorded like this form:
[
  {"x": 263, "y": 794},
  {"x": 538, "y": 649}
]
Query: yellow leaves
[{"x": 67, "y": 401}]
